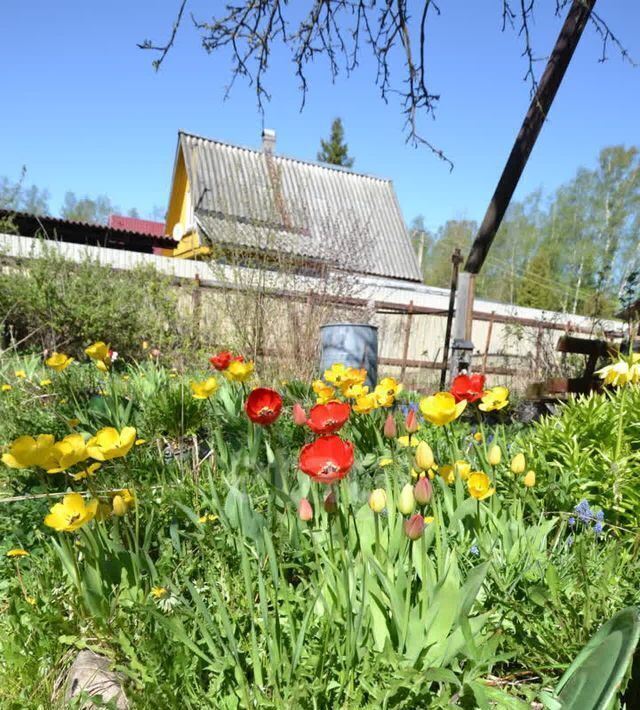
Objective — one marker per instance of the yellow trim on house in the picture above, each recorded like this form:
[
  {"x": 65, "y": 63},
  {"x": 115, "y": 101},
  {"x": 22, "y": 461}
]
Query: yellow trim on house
[
  {"x": 190, "y": 246},
  {"x": 179, "y": 211}
]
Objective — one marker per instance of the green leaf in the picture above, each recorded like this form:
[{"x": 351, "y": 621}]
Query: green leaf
[{"x": 593, "y": 679}]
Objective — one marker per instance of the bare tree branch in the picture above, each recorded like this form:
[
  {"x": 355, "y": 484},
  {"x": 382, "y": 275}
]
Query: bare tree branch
[{"x": 339, "y": 31}]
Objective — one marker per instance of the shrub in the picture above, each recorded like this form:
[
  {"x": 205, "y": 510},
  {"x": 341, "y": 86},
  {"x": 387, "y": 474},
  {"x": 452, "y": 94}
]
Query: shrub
[{"x": 50, "y": 302}]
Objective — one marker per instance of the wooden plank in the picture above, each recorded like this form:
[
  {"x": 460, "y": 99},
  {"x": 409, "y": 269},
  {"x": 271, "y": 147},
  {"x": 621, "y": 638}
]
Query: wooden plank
[
  {"x": 407, "y": 336},
  {"x": 582, "y": 346}
]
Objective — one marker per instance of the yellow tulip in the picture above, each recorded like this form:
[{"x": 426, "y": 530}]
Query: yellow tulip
[
  {"x": 21, "y": 374},
  {"x": 494, "y": 399},
  {"x": 495, "y": 455},
  {"x": 239, "y": 371},
  {"x": 86, "y": 473},
  {"x": 337, "y": 374},
  {"x": 447, "y": 472},
  {"x": 353, "y": 390},
  {"x": 6, "y": 387},
  {"x": 72, "y": 513},
  {"x": 622, "y": 372},
  {"x": 424, "y": 456},
  {"x": 407, "y": 501},
  {"x": 518, "y": 463},
  {"x": 463, "y": 469},
  {"x": 408, "y": 441},
  {"x": 108, "y": 443},
  {"x": 324, "y": 392},
  {"x": 479, "y": 485},
  {"x": 386, "y": 391},
  {"x": 478, "y": 436},
  {"x": 27, "y": 452},
  {"x": 441, "y": 408},
  {"x": 204, "y": 390},
  {"x": 378, "y": 500},
  {"x": 365, "y": 404},
  {"x": 58, "y": 361},
  {"x": 67, "y": 452},
  {"x": 530, "y": 479},
  {"x": 98, "y": 351},
  {"x": 122, "y": 502}
]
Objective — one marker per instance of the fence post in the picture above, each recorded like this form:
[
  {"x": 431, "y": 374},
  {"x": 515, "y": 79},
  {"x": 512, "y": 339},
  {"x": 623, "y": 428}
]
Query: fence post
[
  {"x": 407, "y": 335},
  {"x": 196, "y": 310},
  {"x": 487, "y": 343}
]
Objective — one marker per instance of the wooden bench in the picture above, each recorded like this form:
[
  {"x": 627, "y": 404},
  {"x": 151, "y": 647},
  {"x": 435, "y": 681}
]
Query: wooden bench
[{"x": 559, "y": 387}]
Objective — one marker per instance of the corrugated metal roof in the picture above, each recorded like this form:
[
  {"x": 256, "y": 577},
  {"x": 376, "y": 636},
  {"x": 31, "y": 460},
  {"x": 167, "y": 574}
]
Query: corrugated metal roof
[
  {"x": 135, "y": 224},
  {"x": 311, "y": 209}
]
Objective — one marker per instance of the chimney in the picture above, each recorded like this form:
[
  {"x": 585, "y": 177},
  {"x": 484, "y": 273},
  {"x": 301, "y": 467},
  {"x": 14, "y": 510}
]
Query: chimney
[{"x": 268, "y": 140}]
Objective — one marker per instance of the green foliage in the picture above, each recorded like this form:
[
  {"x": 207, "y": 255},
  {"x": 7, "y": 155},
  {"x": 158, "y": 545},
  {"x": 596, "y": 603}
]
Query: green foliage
[
  {"x": 53, "y": 303},
  {"x": 593, "y": 679},
  {"x": 334, "y": 150},
  {"x": 572, "y": 251},
  {"x": 591, "y": 450},
  {"x": 212, "y": 592}
]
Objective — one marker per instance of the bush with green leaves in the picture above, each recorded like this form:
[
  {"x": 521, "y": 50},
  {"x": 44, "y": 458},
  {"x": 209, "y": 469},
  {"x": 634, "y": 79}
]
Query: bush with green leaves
[{"x": 50, "y": 302}]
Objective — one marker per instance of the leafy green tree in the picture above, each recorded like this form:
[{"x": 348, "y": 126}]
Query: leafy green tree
[
  {"x": 18, "y": 197},
  {"x": 454, "y": 234},
  {"x": 422, "y": 240},
  {"x": 335, "y": 150},
  {"x": 533, "y": 287},
  {"x": 87, "y": 209}
]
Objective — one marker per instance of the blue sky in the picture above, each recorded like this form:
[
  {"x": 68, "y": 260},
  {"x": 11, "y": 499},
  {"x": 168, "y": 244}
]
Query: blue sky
[{"x": 83, "y": 109}]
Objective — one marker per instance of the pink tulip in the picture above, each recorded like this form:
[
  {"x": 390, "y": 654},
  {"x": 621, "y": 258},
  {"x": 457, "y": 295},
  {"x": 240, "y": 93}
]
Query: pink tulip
[
  {"x": 411, "y": 422},
  {"x": 414, "y": 527},
  {"x": 305, "y": 511},
  {"x": 423, "y": 490},
  {"x": 330, "y": 502},
  {"x": 390, "y": 429},
  {"x": 299, "y": 415}
]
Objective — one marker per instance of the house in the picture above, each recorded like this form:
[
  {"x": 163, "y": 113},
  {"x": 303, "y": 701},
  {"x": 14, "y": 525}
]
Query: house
[{"x": 226, "y": 198}]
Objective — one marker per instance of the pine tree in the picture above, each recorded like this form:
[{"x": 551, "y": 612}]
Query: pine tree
[{"x": 335, "y": 150}]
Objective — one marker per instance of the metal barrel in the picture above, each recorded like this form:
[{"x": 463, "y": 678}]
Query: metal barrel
[{"x": 353, "y": 345}]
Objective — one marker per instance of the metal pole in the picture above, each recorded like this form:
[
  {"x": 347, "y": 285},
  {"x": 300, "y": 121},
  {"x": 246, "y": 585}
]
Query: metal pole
[
  {"x": 538, "y": 110},
  {"x": 456, "y": 260}
]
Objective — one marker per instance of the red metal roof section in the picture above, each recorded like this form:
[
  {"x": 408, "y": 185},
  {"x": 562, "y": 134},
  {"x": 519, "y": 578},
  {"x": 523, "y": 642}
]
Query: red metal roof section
[{"x": 133, "y": 224}]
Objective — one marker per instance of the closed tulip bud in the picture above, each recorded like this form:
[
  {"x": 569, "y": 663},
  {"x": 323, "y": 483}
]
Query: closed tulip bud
[
  {"x": 378, "y": 500},
  {"x": 305, "y": 511},
  {"x": 390, "y": 430},
  {"x": 330, "y": 502},
  {"x": 423, "y": 491},
  {"x": 119, "y": 506},
  {"x": 414, "y": 527},
  {"x": 411, "y": 422},
  {"x": 518, "y": 463},
  {"x": 407, "y": 501},
  {"x": 530, "y": 479},
  {"x": 495, "y": 455},
  {"x": 424, "y": 456},
  {"x": 298, "y": 415}
]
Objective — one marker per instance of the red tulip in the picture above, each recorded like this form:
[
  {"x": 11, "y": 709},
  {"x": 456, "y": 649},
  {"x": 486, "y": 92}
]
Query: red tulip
[
  {"x": 330, "y": 502},
  {"x": 390, "y": 430},
  {"x": 328, "y": 418},
  {"x": 414, "y": 527},
  {"x": 305, "y": 511},
  {"x": 298, "y": 415},
  {"x": 327, "y": 459},
  {"x": 221, "y": 360},
  {"x": 263, "y": 406},
  {"x": 423, "y": 490},
  {"x": 411, "y": 422},
  {"x": 469, "y": 387}
]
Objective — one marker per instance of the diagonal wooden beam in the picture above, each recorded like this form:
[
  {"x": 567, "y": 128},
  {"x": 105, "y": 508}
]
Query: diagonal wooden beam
[{"x": 554, "y": 72}]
